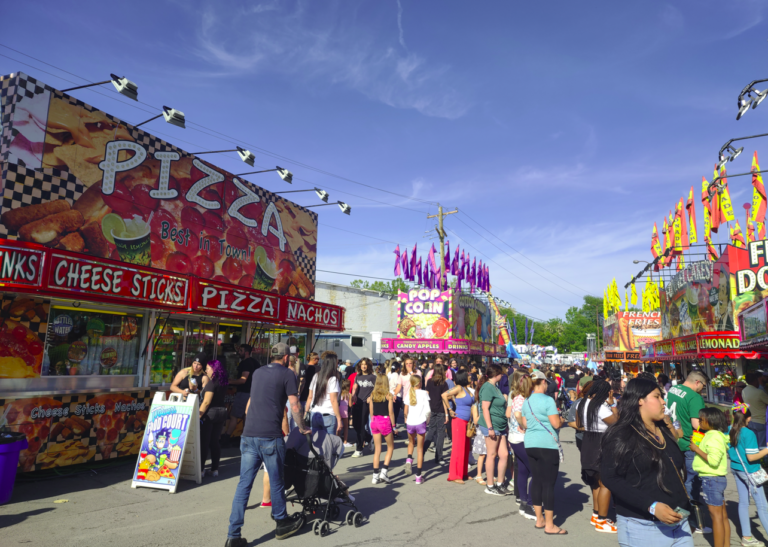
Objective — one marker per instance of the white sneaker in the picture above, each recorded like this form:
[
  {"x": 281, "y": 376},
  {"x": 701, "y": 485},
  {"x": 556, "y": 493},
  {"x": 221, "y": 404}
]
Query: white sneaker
[
  {"x": 705, "y": 530},
  {"x": 383, "y": 476},
  {"x": 357, "y": 454},
  {"x": 750, "y": 542},
  {"x": 348, "y": 445},
  {"x": 215, "y": 473},
  {"x": 375, "y": 479}
]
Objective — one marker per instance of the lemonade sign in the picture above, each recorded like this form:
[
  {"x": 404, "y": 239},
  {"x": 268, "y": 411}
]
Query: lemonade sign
[{"x": 424, "y": 313}]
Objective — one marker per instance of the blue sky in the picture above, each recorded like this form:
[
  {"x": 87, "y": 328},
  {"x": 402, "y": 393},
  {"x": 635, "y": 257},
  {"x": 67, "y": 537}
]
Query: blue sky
[{"x": 564, "y": 128}]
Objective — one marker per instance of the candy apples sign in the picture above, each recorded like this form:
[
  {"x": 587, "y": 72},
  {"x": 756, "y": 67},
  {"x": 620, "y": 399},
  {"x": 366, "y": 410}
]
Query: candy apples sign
[{"x": 103, "y": 187}]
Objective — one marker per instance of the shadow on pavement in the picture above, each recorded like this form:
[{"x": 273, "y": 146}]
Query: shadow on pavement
[{"x": 10, "y": 520}]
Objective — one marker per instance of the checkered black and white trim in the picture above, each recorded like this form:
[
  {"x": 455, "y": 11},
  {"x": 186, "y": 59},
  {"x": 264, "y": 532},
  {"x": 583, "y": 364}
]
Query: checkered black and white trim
[
  {"x": 306, "y": 263},
  {"x": 25, "y": 186}
]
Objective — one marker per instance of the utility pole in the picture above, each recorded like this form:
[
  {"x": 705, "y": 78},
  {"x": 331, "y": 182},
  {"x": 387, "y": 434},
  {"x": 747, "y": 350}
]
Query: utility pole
[{"x": 441, "y": 234}]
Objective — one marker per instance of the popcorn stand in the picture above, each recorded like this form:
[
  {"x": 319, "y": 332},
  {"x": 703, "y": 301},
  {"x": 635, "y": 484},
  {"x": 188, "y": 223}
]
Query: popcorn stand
[
  {"x": 448, "y": 322},
  {"x": 121, "y": 257}
]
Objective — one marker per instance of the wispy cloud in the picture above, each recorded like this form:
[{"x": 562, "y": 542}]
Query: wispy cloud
[
  {"x": 400, "y": 23},
  {"x": 329, "y": 50}
]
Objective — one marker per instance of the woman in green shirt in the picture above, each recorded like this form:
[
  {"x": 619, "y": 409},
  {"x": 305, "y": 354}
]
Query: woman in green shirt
[{"x": 493, "y": 424}]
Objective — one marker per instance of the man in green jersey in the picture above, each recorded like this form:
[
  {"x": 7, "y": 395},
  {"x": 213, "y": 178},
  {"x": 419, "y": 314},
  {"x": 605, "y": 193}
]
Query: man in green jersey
[{"x": 684, "y": 402}]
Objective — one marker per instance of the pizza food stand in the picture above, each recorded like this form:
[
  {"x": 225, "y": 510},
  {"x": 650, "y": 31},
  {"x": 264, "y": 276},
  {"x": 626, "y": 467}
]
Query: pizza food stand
[
  {"x": 447, "y": 322},
  {"x": 121, "y": 257}
]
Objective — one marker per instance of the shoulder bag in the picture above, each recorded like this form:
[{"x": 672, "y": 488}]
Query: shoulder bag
[
  {"x": 471, "y": 427},
  {"x": 757, "y": 478},
  {"x": 559, "y": 446},
  {"x": 695, "y": 509}
]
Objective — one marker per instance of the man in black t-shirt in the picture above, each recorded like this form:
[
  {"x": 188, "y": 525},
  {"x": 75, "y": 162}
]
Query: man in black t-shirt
[
  {"x": 262, "y": 442},
  {"x": 306, "y": 373},
  {"x": 571, "y": 379},
  {"x": 243, "y": 381}
]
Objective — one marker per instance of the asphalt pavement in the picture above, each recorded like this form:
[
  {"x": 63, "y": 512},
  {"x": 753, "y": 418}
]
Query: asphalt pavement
[{"x": 102, "y": 509}]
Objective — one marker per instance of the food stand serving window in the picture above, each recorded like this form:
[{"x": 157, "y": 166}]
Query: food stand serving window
[
  {"x": 723, "y": 380},
  {"x": 91, "y": 342}
]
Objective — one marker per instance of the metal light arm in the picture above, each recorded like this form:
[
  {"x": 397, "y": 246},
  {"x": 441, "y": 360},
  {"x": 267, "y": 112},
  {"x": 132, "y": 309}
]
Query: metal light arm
[
  {"x": 86, "y": 85},
  {"x": 748, "y": 88},
  {"x": 728, "y": 144}
]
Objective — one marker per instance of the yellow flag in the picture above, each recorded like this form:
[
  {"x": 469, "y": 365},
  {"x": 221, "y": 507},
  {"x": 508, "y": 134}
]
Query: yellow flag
[
  {"x": 605, "y": 305},
  {"x": 725, "y": 198},
  {"x": 705, "y": 203},
  {"x": 646, "y": 298},
  {"x": 690, "y": 206},
  {"x": 677, "y": 229},
  {"x": 633, "y": 294},
  {"x": 758, "y": 193}
]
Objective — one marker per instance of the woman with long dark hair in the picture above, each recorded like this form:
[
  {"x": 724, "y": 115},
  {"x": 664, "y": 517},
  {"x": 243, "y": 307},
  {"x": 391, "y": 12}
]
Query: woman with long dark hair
[
  {"x": 462, "y": 398},
  {"x": 438, "y": 409},
  {"x": 365, "y": 380},
  {"x": 595, "y": 415},
  {"x": 323, "y": 396},
  {"x": 213, "y": 414},
  {"x": 643, "y": 467}
]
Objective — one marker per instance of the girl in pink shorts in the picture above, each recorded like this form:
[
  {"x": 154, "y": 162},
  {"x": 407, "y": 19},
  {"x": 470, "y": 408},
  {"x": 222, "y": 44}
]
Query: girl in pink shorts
[{"x": 382, "y": 417}]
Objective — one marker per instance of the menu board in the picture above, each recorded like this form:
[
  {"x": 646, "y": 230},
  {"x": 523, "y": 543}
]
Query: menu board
[
  {"x": 171, "y": 438},
  {"x": 79, "y": 179},
  {"x": 69, "y": 429}
]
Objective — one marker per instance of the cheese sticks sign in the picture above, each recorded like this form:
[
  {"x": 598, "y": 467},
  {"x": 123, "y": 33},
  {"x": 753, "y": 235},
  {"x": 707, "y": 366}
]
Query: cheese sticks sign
[
  {"x": 109, "y": 281},
  {"x": 81, "y": 180}
]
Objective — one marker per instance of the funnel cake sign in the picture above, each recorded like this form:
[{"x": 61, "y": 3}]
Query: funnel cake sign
[{"x": 78, "y": 179}]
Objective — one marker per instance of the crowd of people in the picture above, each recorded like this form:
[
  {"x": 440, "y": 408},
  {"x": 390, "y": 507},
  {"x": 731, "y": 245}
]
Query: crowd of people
[{"x": 653, "y": 454}]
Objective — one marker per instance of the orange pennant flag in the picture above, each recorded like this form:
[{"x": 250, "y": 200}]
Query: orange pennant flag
[
  {"x": 716, "y": 216},
  {"x": 758, "y": 193}
]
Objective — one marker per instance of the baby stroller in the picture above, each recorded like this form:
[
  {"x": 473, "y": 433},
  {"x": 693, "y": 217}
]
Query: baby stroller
[{"x": 318, "y": 491}]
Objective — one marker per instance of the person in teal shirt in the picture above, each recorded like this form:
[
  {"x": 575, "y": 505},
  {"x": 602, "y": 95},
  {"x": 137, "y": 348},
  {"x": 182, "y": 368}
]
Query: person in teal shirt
[
  {"x": 744, "y": 451},
  {"x": 542, "y": 422},
  {"x": 493, "y": 411}
]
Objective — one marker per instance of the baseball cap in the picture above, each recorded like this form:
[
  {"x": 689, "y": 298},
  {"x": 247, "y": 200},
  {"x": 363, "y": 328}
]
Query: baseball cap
[
  {"x": 281, "y": 349},
  {"x": 537, "y": 374}
]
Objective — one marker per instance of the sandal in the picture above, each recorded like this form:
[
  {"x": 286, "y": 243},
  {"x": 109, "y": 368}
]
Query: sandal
[
  {"x": 479, "y": 480},
  {"x": 560, "y": 532}
]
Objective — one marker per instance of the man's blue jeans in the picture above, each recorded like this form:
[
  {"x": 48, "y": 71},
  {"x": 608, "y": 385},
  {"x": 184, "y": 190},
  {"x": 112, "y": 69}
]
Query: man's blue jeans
[{"x": 255, "y": 451}]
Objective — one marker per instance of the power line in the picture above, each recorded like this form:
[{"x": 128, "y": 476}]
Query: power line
[
  {"x": 359, "y": 234},
  {"x": 510, "y": 256},
  {"x": 224, "y": 137},
  {"x": 355, "y": 275},
  {"x": 521, "y": 254},
  {"x": 509, "y": 272}
]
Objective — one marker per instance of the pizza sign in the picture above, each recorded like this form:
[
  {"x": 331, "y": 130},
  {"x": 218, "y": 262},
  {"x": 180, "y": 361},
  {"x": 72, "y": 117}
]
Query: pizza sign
[
  {"x": 235, "y": 301},
  {"x": 134, "y": 198}
]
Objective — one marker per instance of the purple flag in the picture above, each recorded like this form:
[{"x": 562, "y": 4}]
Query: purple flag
[
  {"x": 455, "y": 263},
  {"x": 405, "y": 262},
  {"x": 429, "y": 279},
  {"x": 487, "y": 279},
  {"x": 431, "y": 259},
  {"x": 398, "y": 271},
  {"x": 447, "y": 260},
  {"x": 473, "y": 275},
  {"x": 412, "y": 271},
  {"x": 418, "y": 272}
]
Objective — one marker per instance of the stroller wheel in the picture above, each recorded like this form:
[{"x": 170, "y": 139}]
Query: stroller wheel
[
  {"x": 316, "y": 528},
  {"x": 358, "y": 520},
  {"x": 325, "y": 528},
  {"x": 350, "y": 518}
]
